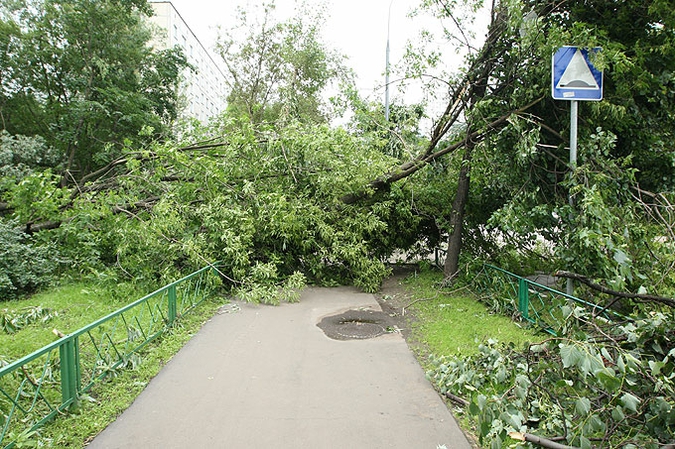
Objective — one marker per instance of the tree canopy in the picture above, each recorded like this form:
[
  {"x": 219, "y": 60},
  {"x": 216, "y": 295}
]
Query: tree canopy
[
  {"x": 64, "y": 78},
  {"x": 491, "y": 177},
  {"x": 280, "y": 69},
  {"x": 513, "y": 138}
]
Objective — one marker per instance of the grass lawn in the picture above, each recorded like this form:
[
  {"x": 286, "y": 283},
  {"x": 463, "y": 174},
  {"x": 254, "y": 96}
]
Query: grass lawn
[
  {"x": 455, "y": 323},
  {"x": 108, "y": 400},
  {"x": 69, "y": 308}
]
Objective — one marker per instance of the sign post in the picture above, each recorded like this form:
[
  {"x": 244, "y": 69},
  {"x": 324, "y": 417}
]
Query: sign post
[{"x": 574, "y": 79}]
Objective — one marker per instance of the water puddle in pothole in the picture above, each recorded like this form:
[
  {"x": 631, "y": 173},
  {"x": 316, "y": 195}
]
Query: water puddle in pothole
[{"x": 355, "y": 324}]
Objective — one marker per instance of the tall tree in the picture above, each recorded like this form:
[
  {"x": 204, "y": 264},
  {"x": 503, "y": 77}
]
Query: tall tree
[
  {"x": 81, "y": 74},
  {"x": 280, "y": 69},
  {"x": 500, "y": 106}
]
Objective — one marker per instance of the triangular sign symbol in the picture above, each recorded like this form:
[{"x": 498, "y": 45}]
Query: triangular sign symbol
[{"x": 577, "y": 75}]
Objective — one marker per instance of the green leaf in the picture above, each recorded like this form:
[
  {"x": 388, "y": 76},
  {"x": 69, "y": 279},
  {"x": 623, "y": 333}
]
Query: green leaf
[
  {"x": 617, "y": 414},
  {"x": 484, "y": 429},
  {"x": 656, "y": 367},
  {"x": 605, "y": 353},
  {"x": 583, "y": 406},
  {"x": 621, "y": 364},
  {"x": 585, "y": 443},
  {"x": 564, "y": 383},
  {"x": 630, "y": 402},
  {"x": 570, "y": 355},
  {"x": 481, "y": 400},
  {"x": 608, "y": 380},
  {"x": 515, "y": 420},
  {"x": 621, "y": 257},
  {"x": 596, "y": 424}
]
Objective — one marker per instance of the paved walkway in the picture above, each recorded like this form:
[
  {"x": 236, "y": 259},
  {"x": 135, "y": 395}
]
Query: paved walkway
[{"x": 268, "y": 377}]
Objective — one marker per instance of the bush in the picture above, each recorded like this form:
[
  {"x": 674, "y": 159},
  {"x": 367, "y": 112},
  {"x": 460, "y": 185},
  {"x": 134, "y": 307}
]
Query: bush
[
  {"x": 21, "y": 155},
  {"x": 24, "y": 265},
  {"x": 602, "y": 384}
]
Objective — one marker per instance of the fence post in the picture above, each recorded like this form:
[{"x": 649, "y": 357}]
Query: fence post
[
  {"x": 523, "y": 298},
  {"x": 70, "y": 370},
  {"x": 172, "y": 304}
]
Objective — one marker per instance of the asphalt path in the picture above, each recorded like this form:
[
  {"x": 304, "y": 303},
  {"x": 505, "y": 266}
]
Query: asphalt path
[{"x": 268, "y": 377}]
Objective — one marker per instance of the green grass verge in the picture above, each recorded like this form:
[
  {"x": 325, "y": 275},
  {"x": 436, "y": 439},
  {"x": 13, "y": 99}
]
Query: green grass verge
[
  {"x": 455, "y": 323},
  {"x": 77, "y": 305},
  {"x": 108, "y": 400},
  {"x": 69, "y": 308}
]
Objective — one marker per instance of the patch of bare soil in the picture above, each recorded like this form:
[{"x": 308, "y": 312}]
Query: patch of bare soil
[{"x": 395, "y": 299}]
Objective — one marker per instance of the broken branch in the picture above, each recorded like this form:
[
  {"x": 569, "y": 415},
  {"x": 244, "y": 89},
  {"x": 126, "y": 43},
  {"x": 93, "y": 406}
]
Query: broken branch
[{"x": 602, "y": 289}]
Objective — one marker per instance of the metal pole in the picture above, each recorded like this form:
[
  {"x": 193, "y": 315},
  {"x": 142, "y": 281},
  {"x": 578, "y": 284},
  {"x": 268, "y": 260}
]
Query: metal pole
[
  {"x": 574, "y": 116},
  {"x": 172, "y": 312},
  {"x": 386, "y": 69},
  {"x": 69, "y": 358},
  {"x": 524, "y": 298}
]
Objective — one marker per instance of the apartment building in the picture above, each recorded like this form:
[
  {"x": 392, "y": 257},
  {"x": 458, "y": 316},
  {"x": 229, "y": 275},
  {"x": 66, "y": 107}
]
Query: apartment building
[{"x": 204, "y": 92}]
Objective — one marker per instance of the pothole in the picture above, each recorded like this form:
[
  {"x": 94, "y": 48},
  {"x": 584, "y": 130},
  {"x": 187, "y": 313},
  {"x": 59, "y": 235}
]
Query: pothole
[{"x": 355, "y": 325}]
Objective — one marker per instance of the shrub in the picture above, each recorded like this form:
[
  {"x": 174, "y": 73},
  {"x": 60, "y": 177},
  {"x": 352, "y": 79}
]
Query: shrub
[{"x": 24, "y": 265}]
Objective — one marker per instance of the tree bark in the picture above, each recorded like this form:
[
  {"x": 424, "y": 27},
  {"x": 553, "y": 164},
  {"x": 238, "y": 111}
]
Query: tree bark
[
  {"x": 32, "y": 228},
  {"x": 541, "y": 441},
  {"x": 451, "y": 266},
  {"x": 456, "y": 399},
  {"x": 602, "y": 289}
]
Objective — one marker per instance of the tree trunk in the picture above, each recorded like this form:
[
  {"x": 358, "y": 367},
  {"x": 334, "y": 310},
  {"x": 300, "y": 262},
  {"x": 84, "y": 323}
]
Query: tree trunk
[{"x": 457, "y": 215}]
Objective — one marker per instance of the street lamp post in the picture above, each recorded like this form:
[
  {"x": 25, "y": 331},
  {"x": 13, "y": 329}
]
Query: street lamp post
[{"x": 386, "y": 69}]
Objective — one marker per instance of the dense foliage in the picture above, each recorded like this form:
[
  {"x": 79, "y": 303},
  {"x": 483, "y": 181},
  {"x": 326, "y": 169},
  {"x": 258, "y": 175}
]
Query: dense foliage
[
  {"x": 272, "y": 189},
  {"x": 63, "y": 78},
  {"x": 92, "y": 184},
  {"x": 263, "y": 202},
  {"x": 606, "y": 386},
  {"x": 498, "y": 153},
  {"x": 25, "y": 265},
  {"x": 258, "y": 190}
]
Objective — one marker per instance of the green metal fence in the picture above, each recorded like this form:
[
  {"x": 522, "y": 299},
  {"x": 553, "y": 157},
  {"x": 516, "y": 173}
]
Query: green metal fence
[
  {"x": 534, "y": 302},
  {"x": 41, "y": 385}
]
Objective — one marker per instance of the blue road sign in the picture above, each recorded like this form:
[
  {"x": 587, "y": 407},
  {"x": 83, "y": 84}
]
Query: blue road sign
[{"x": 573, "y": 76}]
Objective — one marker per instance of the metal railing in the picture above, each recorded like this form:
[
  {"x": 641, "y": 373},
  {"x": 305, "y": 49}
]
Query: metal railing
[
  {"x": 46, "y": 383},
  {"x": 534, "y": 302}
]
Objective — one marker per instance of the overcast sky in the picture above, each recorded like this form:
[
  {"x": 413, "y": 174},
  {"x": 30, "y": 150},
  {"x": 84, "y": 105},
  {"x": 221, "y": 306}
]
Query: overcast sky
[{"x": 355, "y": 28}]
